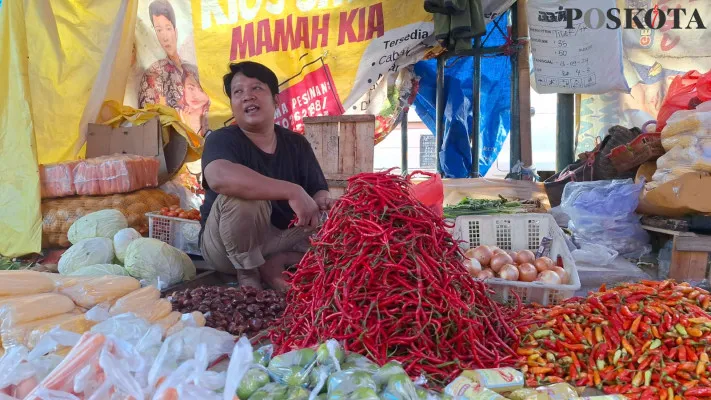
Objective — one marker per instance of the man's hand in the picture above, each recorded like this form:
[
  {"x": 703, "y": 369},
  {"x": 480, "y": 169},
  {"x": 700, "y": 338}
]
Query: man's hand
[
  {"x": 324, "y": 200},
  {"x": 305, "y": 208}
]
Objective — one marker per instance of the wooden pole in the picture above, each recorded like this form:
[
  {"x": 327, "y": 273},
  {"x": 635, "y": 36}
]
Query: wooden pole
[{"x": 524, "y": 86}]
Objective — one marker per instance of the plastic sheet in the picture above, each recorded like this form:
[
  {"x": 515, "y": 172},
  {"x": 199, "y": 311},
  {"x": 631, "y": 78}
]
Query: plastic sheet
[
  {"x": 87, "y": 292},
  {"x": 594, "y": 254},
  {"x": 495, "y": 106},
  {"x": 603, "y": 212}
]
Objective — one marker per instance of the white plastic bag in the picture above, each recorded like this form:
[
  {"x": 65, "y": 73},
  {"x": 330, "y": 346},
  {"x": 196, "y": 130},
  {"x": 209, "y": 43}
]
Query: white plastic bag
[{"x": 594, "y": 254}]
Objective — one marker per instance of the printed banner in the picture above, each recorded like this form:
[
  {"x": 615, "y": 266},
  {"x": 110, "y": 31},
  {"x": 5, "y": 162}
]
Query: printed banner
[
  {"x": 653, "y": 57},
  {"x": 164, "y": 67},
  {"x": 328, "y": 54}
]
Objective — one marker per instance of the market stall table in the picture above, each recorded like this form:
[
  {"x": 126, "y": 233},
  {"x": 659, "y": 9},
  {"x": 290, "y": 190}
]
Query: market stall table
[{"x": 690, "y": 253}]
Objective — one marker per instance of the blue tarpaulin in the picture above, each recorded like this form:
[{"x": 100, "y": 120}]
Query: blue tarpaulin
[{"x": 495, "y": 122}]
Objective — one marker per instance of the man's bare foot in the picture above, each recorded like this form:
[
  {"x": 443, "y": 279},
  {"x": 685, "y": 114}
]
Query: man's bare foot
[
  {"x": 273, "y": 272},
  {"x": 249, "y": 277}
]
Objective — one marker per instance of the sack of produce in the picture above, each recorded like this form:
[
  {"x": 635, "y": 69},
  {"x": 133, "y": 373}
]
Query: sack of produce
[
  {"x": 104, "y": 223},
  {"x": 88, "y": 291},
  {"x": 293, "y": 368},
  {"x": 120, "y": 173},
  {"x": 86, "y": 252},
  {"x": 59, "y": 214},
  {"x": 122, "y": 239},
  {"x": 155, "y": 262},
  {"x": 16, "y": 283}
]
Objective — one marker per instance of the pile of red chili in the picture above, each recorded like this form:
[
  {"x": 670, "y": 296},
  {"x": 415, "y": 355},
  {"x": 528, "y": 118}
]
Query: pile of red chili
[
  {"x": 385, "y": 277},
  {"x": 648, "y": 340}
]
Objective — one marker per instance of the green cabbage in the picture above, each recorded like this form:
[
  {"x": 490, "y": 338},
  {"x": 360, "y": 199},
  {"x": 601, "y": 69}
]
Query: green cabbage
[
  {"x": 104, "y": 223},
  {"x": 100, "y": 270},
  {"x": 122, "y": 239},
  {"x": 151, "y": 260},
  {"x": 85, "y": 253}
]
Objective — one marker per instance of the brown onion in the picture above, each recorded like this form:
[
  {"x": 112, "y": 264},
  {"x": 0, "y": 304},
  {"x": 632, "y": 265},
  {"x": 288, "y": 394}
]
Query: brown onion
[
  {"x": 472, "y": 265},
  {"x": 509, "y": 272},
  {"x": 527, "y": 272},
  {"x": 499, "y": 260},
  {"x": 512, "y": 254},
  {"x": 525, "y": 256},
  {"x": 481, "y": 253},
  {"x": 562, "y": 273},
  {"x": 543, "y": 264},
  {"x": 549, "y": 277},
  {"x": 497, "y": 250},
  {"x": 485, "y": 274}
]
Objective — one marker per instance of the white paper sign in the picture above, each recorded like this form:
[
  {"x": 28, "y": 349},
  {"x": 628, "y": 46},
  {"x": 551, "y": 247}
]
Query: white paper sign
[{"x": 582, "y": 56}]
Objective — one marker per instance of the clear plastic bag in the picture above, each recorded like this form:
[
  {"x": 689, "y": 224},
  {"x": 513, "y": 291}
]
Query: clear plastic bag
[
  {"x": 594, "y": 254},
  {"x": 87, "y": 292},
  {"x": 19, "y": 283},
  {"x": 603, "y": 213}
]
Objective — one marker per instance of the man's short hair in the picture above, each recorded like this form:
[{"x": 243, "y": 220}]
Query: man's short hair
[
  {"x": 162, "y": 7},
  {"x": 254, "y": 70}
]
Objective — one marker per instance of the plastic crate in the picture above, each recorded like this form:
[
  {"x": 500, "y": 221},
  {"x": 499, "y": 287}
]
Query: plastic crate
[
  {"x": 518, "y": 232},
  {"x": 183, "y": 234}
]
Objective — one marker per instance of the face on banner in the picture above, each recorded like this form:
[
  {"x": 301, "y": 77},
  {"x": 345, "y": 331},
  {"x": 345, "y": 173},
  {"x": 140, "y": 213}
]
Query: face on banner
[{"x": 165, "y": 68}]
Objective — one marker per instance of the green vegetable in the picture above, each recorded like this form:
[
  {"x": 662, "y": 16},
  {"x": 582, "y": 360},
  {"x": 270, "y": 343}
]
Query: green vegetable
[
  {"x": 383, "y": 375},
  {"x": 253, "y": 380},
  {"x": 326, "y": 352},
  {"x": 363, "y": 393},
  {"x": 299, "y": 358},
  {"x": 122, "y": 239},
  {"x": 270, "y": 391},
  {"x": 400, "y": 387},
  {"x": 297, "y": 393},
  {"x": 152, "y": 260},
  {"x": 263, "y": 355},
  {"x": 347, "y": 381},
  {"x": 104, "y": 224},
  {"x": 469, "y": 206},
  {"x": 100, "y": 270},
  {"x": 86, "y": 252}
]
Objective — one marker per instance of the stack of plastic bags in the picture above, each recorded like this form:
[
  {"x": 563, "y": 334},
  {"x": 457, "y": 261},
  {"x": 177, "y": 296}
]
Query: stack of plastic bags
[
  {"x": 34, "y": 303},
  {"x": 603, "y": 213},
  {"x": 123, "y": 357},
  {"x": 687, "y": 140}
]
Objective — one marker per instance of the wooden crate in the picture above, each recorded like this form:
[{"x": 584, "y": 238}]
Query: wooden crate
[{"x": 344, "y": 145}]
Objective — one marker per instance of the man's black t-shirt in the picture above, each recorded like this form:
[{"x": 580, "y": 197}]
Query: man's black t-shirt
[{"x": 293, "y": 161}]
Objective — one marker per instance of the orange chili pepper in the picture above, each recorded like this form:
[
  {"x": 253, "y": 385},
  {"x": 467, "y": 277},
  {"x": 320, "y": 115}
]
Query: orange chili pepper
[
  {"x": 646, "y": 346},
  {"x": 655, "y": 332},
  {"x": 694, "y": 332},
  {"x": 627, "y": 324},
  {"x": 691, "y": 354},
  {"x": 541, "y": 370},
  {"x": 627, "y": 346},
  {"x": 701, "y": 365},
  {"x": 588, "y": 335},
  {"x": 635, "y": 324},
  {"x": 599, "y": 338},
  {"x": 687, "y": 366},
  {"x": 596, "y": 378},
  {"x": 524, "y": 351}
]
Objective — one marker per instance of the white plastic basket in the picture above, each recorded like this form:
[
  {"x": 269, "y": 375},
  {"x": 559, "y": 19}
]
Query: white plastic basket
[
  {"x": 518, "y": 232},
  {"x": 183, "y": 234}
]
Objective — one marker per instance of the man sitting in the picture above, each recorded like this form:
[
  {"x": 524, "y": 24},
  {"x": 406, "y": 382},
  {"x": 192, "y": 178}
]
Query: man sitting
[{"x": 257, "y": 176}]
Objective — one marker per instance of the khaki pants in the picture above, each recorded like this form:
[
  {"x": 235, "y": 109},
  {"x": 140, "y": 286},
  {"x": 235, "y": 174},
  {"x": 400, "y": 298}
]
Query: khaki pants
[{"x": 239, "y": 235}]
